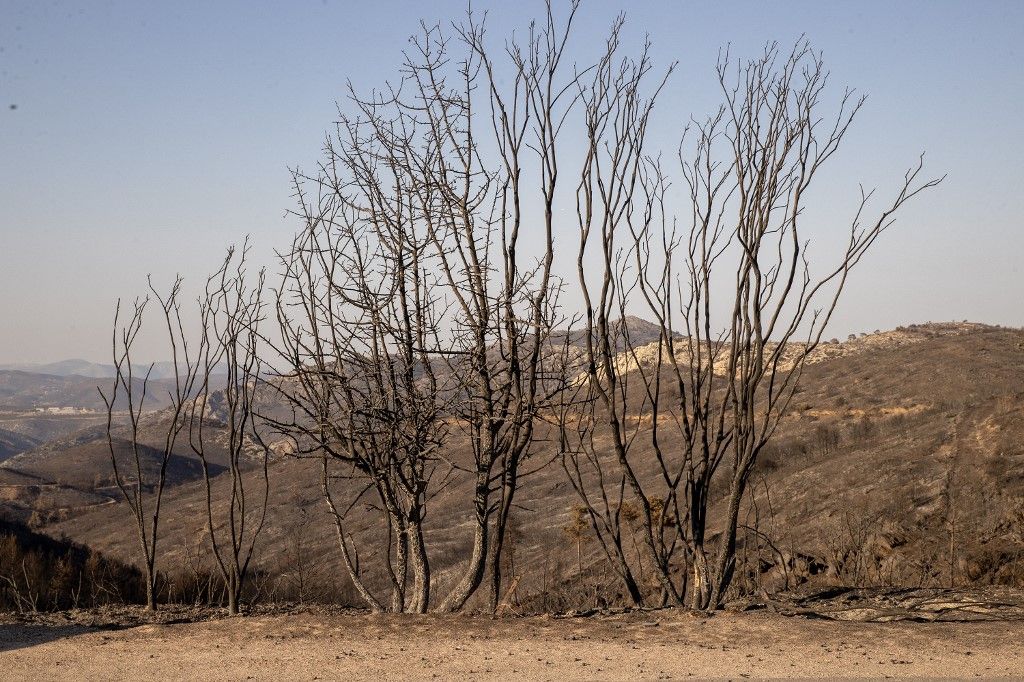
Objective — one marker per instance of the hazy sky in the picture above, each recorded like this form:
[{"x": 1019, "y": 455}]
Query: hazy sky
[{"x": 140, "y": 137}]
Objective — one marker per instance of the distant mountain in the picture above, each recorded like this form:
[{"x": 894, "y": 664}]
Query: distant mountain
[
  {"x": 630, "y": 330},
  {"x": 73, "y": 473},
  {"x": 84, "y": 368},
  {"x": 627, "y": 331},
  {"x": 29, "y": 390}
]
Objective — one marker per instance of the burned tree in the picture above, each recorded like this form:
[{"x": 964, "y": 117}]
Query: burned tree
[
  {"x": 416, "y": 319},
  {"x": 223, "y": 423},
  {"x": 506, "y": 302},
  {"x": 412, "y": 315},
  {"x": 661, "y": 431},
  {"x": 603, "y": 431},
  {"x": 141, "y": 487},
  {"x": 732, "y": 277},
  {"x": 359, "y": 318}
]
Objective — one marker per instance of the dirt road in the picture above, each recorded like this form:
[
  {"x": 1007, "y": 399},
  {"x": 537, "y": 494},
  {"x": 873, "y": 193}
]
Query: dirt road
[{"x": 654, "y": 645}]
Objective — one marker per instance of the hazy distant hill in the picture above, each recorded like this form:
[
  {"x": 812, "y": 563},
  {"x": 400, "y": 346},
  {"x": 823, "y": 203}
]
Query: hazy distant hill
[
  {"x": 39, "y": 425},
  {"x": 28, "y": 390},
  {"x": 84, "y": 368},
  {"x": 63, "y": 368},
  {"x": 41, "y": 407},
  {"x": 71, "y": 474},
  {"x": 638, "y": 331}
]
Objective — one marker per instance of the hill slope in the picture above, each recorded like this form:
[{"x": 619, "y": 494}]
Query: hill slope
[
  {"x": 12, "y": 443},
  {"x": 901, "y": 462}
]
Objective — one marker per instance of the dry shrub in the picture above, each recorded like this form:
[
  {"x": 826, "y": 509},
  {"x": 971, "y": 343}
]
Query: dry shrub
[{"x": 39, "y": 573}]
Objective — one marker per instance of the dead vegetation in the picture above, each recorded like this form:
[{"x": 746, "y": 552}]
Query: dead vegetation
[
  {"x": 439, "y": 433},
  {"x": 886, "y": 606}
]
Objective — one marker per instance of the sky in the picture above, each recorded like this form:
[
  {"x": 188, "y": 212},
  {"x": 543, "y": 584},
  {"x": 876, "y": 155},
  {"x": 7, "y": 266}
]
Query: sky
[{"x": 145, "y": 137}]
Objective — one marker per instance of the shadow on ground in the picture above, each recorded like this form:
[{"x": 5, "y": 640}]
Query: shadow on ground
[{"x": 22, "y": 635}]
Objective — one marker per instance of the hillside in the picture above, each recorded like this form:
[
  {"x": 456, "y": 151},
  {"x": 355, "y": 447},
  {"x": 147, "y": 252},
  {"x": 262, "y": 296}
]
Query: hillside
[
  {"x": 53, "y": 565},
  {"x": 28, "y": 390},
  {"x": 857, "y": 487},
  {"x": 64, "y": 368},
  {"x": 37, "y": 408},
  {"x": 71, "y": 474},
  {"x": 11, "y": 443},
  {"x": 39, "y": 426}
]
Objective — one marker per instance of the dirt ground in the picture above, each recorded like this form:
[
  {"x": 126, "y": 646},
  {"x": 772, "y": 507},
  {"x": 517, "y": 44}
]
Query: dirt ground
[{"x": 653, "y": 645}]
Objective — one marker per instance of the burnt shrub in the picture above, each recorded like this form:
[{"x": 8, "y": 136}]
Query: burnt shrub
[{"x": 40, "y": 573}]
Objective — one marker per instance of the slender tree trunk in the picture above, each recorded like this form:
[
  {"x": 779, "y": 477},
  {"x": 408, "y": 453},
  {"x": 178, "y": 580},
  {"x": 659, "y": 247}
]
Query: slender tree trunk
[
  {"x": 661, "y": 571},
  {"x": 726, "y": 559},
  {"x": 233, "y": 588},
  {"x": 700, "y": 594},
  {"x": 626, "y": 574},
  {"x": 400, "y": 574},
  {"x": 474, "y": 574},
  {"x": 150, "y": 587},
  {"x": 420, "y": 568},
  {"x": 498, "y": 538},
  {"x": 495, "y": 591}
]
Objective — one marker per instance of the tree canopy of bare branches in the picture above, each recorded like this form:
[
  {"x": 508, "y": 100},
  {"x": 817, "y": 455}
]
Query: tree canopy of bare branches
[
  {"x": 142, "y": 488},
  {"x": 228, "y": 388},
  {"x": 731, "y": 286},
  {"x": 409, "y": 302}
]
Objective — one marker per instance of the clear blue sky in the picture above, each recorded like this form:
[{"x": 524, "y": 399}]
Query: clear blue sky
[{"x": 142, "y": 137}]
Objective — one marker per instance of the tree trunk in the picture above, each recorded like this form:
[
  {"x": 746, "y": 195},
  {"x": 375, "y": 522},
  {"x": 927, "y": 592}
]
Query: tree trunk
[
  {"x": 498, "y": 539},
  {"x": 495, "y": 562},
  {"x": 726, "y": 560},
  {"x": 400, "y": 573},
  {"x": 150, "y": 586},
  {"x": 233, "y": 594},
  {"x": 420, "y": 569},
  {"x": 700, "y": 594},
  {"x": 474, "y": 574},
  {"x": 353, "y": 572},
  {"x": 626, "y": 574}
]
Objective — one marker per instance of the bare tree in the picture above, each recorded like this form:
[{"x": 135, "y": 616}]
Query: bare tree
[
  {"x": 734, "y": 277},
  {"x": 737, "y": 304},
  {"x": 620, "y": 398},
  {"x": 414, "y": 319},
  {"x": 223, "y": 421},
  {"x": 141, "y": 487},
  {"x": 440, "y": 309},
  {"x": 359, "y": 318},
  {"x": 506, "y": 306}
]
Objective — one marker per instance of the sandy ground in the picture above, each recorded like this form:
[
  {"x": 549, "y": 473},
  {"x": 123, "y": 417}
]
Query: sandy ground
[{"x": 653, "y": 645}]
